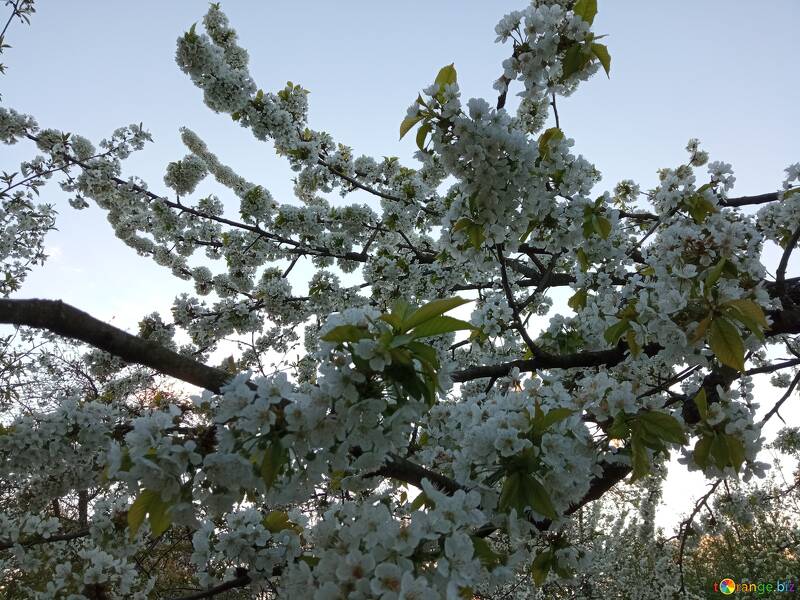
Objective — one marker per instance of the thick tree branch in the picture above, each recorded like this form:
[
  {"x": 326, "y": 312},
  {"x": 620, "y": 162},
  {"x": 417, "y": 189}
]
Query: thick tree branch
[
  {"x": 68, "y": 321},
  {"x": 240, "y": 581},
  {"x": 62, "y": 537}
]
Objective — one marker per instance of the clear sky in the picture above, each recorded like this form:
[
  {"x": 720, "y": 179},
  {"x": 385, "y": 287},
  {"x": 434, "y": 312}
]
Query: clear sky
[{"x": 722, "y": 71}]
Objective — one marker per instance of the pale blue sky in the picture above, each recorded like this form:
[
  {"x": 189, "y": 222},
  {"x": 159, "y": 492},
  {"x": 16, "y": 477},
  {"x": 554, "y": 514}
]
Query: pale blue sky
[{"x": 723, "y": 71}]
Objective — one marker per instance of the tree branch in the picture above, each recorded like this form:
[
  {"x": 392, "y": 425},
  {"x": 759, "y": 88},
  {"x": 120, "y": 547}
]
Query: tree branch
[
  {"x": 62, "y": 537},
  {"x": 68, "y": 321},
  {"x": 240, "y": 581}
]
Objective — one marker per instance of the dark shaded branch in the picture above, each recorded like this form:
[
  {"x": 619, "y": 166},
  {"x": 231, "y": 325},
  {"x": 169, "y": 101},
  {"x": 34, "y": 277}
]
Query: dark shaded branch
[
  {"x": 62, "y": 537},
  {"x": 609, "y": 358},
  {"x": 749, "y": 200},
  {"x": 240, "y": 581},
  {"x": 780, "y": 274},
  {"x": 774, "y": 367},
  {"x": 68, "y": 321},
  {"x": 779, "y": 403},
  {"x": 409, "y": 472}
]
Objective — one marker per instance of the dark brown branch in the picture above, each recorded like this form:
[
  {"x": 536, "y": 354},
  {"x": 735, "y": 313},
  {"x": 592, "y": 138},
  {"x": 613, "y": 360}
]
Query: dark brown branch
[
  {"x": 609, "y": 358},
  {"x": 240, "y": 581},
  {"x": 780, "y": 274},
  {"x": 68, "y": 321},
  {"x": 749, "y": 200},
  {"x": 62, "y": 537},
  {"x": 779, "y": 403},
  {"x": 774, "y": 367}
]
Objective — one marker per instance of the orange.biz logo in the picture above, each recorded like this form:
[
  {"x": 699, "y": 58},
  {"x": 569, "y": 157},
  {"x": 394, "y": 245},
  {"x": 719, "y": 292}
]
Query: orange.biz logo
[{"x": 728, "y": 586}]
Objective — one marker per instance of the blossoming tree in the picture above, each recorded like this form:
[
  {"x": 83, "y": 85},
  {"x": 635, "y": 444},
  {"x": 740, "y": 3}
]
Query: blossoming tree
[{"x": 410, "y": 454}]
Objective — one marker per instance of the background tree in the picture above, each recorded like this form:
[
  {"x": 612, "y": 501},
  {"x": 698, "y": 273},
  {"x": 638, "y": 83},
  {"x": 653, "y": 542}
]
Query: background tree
[{"x": 308, "y": 481}]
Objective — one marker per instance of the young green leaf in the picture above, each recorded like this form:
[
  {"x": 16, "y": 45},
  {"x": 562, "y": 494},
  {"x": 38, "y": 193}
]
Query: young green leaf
[
  {"x": 713, "y": 275},
  {"x": 702, "y": 449},
  {"x": 633, "y": 345},
  {"x": 586, "y": 10},
  {"x": 422, "y": 133},
  {"x": 408, "y": 123},
  {"x": 148, "y": 503},
  {"x": 537, "y": 497},
  {"x": 484, "y": 552},
  {"x": 748, "y": 307},
  {"x": 438, "y": 326},
  {"x": 701, "y": 401},
  {"x": 640, "y": 461},
  {"x": 552, "y": 134},
  {"x": 664, "y": 426},
  {"x": 275, "y": 457},
  {"x": 726, "y": 342},
  {"x": 601, "y": 52},
  {"x": 447, "y": 75},
  {"x": 700, "y": 330},
  {"x": 541, "y": 566},
  {"x": 345, "y": 333},
  {"x": 616, "y": 331},
  {"x": 578, "y": 300},
  {"x": 432, "y": 309},
  {"x": 601, "y": 226},
  {"x": 735, "y": 451}
]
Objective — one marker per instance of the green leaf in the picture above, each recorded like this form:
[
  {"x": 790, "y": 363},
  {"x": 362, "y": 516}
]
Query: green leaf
[
  {"x": 401, "y": 308},
  {"x": 148, "y": 503},
  {"x": 510, "y": 494},
  {"x": 726, "y": 343},
  {"x": 747, "y": 321},
  {"x": 616, "y": 331},
  {"x": 601, "y": 52},
  {"x": 700, "y": 330},
  {"x": 541, "y": 566},
  {"x": 538, "y": 498},
  {"x": 446, "y": 76},
  {"x": 552, "y": 134},
  {"x": 701, "y": 401},
  {"x": 462, "y": 223},
  {"x": 586, "y": 10},
  {"x": 699, "y": 207},
  {"x": 752, "y": 310},
  {"x": 408, "y": 123},
  {"x": 432, "y": 309},
  {"x": 719, "y": 451},
  {"x": 424, "y": 353},
  {"x": 639, "y": 459},
  {"x": 420, "y": 501},
  {"x": 484, "y": 552},
  {"x": 278, "y": 520},
  {"x": 735, "y": 450},
  {"x": 713, "y": 275},
  {"x": 633, "y": 345},
  {"x": 575, "y": 59},
  {"x": 702, "y": 450},
  {"x": 665, "y": 426},
  {"x": 438, "y": 326},
  {"x": 422, "y": 133},
  {"x": 602, "y": 226},
  {"x": 394, "y": 320},
  {"x": 159, "y": 519},
  {"x": 578, "y": 300},
  {"x": 476, "y": 236},
  {"x": 345, "y": 333},
  {"x": 275, "y": 457},
  {"x": 583, "y": 260},
  {"x": 546, "y": 421},
  {"x": 619, "y": 427}
]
